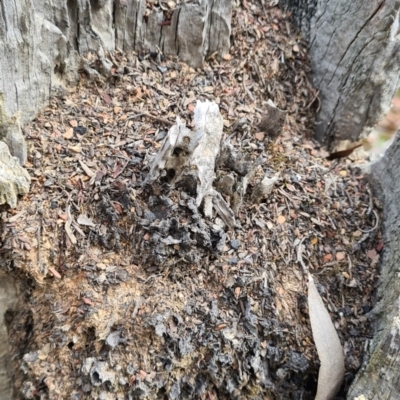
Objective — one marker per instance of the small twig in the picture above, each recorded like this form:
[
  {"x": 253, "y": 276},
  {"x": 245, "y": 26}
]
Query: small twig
[
  {"x": 283, "y": 257},
  {"x": 333, "y": 225},
  {"x": 348, "y": 198},
  {"x": 300, "y": 258},
  {"x": 158, "y": 119},
  {"x": 376, "y": 224},
  {"x": 333, "y": 166},
  {"x": 312, "y": 100},
  {"x": 122, "y": 169},
  {"x": 39, "y": 230},
  {"x": 350, "y": 267},
  {"x": 61, "y": 250},
  {"x": 286, "y": 195}
]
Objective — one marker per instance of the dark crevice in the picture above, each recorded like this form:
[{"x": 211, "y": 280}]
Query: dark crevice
[
  {"x": 16, "y": 95},
  {"x": 176, "y": 32},
  {"x": 210, "y": 27},
  {"x": 160, "y": 40},
  {"x": 134, "y": 27},
  {"x": 371, "y": 101},
  {"x": 73, "y": 23},
  {"x": 3, "y": 12},
  {"x": 113, "y": 13}
]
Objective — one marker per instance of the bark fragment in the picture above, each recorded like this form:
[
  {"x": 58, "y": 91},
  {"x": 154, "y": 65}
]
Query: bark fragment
[{"x": 187, "y": 158}]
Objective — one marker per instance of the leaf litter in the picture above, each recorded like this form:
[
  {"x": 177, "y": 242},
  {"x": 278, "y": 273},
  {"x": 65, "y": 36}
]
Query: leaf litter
[{"x": 132, "y": 293}]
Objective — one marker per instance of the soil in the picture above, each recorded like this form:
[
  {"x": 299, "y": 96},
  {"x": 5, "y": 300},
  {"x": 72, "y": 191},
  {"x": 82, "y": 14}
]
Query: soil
[{"x": 213, "y": 312}]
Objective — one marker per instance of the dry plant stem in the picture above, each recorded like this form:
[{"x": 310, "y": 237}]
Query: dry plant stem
[
  {"x": 39, "y": 229},
  {"x": 375, "y": 226},
  {"x": 154, "y": 117},
  {"x": 300, "y": 250}
]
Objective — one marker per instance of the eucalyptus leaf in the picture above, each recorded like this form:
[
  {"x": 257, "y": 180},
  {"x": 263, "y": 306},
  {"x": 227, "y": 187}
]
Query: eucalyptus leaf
[{"x": 328, "y": 346}]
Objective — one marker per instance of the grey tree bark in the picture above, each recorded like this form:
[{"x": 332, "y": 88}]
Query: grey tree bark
[
  {"x": 355, "y": 56},
  {"x": 354, "y": 47}
]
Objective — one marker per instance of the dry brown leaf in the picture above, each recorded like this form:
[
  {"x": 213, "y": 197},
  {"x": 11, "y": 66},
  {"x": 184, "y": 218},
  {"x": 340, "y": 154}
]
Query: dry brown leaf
[
  {"x": 330, "y": 351},
  {"x": 281, "y": 219},
  {"x": 69, "y": 133},
  {"x": 372, "y": 254},
  {"x": 87, "y": 301},
  {"x": 55, "y": 273},
  {"x": 107, "y": 98},
  {"x": 259, "y": 136},
  {"x": 75, "y": 149},
  {"x": 340, "y": 256}
]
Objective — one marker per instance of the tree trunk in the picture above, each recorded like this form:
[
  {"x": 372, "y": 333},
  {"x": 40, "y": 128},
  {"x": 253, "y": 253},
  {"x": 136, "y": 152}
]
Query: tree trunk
[{"x": 355, "y": 56}]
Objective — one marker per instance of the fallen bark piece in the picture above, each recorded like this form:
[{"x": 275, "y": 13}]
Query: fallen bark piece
[
  {"x": 11, "y": 134},
  {"x": 187, "y": 159},
  {"x": 14, "y": 179}
]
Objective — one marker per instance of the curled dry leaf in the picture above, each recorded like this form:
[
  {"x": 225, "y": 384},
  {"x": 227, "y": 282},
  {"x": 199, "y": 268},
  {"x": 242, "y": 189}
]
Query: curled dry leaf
[{"x": 328, "y": 346}]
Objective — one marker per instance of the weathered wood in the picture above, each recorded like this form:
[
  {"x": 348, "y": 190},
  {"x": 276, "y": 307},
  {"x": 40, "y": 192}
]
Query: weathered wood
[
  {"x": 354, "y": 50},
  {"x": 14, "y": 180},
  {"x": 187, "y": 158}
]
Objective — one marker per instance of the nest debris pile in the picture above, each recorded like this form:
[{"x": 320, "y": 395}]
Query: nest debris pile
[{"x": 134, "y": 294}]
